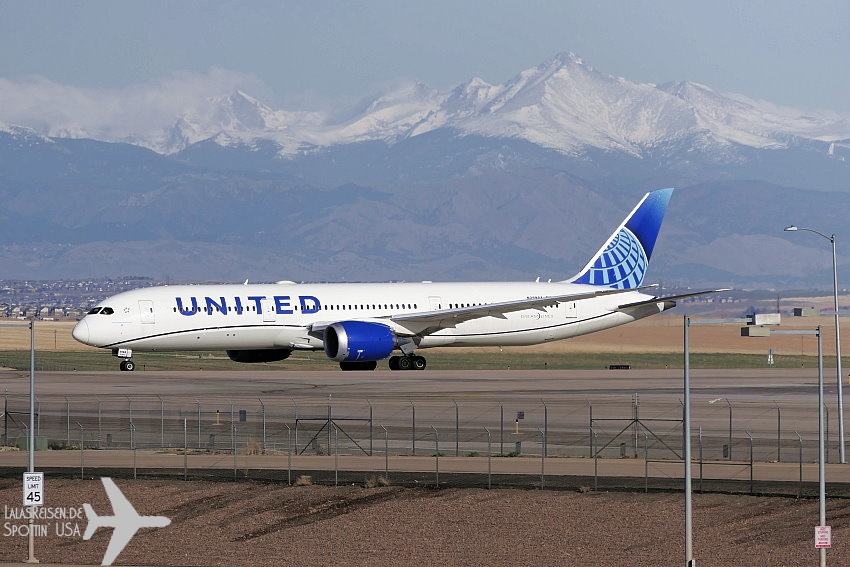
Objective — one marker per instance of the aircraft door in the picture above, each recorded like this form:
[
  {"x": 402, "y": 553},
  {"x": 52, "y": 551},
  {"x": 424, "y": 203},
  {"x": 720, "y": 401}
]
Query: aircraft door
[
  {"x": 268, "y": 311},
  {"x": 146, "y": 313},
  {"x": 435, "y": 302}
]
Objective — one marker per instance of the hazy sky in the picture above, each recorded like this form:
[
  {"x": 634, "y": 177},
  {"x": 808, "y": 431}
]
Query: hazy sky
[{"x": 316, "y": 51}]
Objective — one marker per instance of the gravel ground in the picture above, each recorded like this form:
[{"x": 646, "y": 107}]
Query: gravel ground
[{"x": 254, "y": 524}]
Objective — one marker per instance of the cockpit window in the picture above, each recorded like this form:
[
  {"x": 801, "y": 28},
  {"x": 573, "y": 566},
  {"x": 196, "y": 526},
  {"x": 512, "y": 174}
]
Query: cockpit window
[{"x": 101, "y": 311}]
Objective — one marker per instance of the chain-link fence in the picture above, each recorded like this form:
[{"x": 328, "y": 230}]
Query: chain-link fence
[{"x": 211, "y": 435}]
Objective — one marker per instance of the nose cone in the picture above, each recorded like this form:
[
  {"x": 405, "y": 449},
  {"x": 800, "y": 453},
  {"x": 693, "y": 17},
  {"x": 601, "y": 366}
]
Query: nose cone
[{"x": 81, "y": 332}]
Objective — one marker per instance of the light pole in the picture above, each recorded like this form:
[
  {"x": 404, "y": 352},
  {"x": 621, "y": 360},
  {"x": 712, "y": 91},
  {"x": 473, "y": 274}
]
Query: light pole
[
  {"x": 821, "y": 451},
  {"x": 756, "y": 320},
  {"x": 839, "y": 385}
]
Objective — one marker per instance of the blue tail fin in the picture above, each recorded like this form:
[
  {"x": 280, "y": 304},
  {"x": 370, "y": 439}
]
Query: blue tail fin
[{"x": 622, "y": 261}]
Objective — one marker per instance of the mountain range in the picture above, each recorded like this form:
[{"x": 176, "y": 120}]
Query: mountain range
[{"x": 508, "y": 181}]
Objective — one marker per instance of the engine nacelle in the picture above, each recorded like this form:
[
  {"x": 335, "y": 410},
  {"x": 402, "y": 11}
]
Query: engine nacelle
[
  {"x": 348, "y": 341},
  {"x": 265, "y": 355}
]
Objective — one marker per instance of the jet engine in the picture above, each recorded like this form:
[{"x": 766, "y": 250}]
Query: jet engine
[
  {"x": 266, "y": 355},
  {"x": 348, "y": 341}
]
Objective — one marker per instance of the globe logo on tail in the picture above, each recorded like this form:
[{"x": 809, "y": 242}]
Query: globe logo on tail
[{"x": 621, "y": 265}]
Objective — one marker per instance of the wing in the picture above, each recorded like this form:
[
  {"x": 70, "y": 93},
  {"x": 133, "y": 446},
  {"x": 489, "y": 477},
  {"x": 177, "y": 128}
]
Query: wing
[
  {"x": 432, "y": 321},
  {"x": 121, "y": 536},
  {"x": 121, "y": 507}
]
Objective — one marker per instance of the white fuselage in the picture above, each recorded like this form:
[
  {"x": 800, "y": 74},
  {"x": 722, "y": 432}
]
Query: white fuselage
[{"x": 279, "y": 316}]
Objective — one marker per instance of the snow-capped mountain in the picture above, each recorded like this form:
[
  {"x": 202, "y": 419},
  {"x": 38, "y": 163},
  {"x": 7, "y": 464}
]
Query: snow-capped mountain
[{"x": 562, "y": 104}]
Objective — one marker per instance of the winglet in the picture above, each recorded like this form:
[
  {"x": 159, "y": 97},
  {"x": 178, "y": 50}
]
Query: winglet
[{"x": 623, "y": 259}]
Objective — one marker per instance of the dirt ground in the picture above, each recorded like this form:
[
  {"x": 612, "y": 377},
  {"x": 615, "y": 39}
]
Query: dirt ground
[
  {"x": 255, "y": 524},
  {"x": 658, "y": 334}
]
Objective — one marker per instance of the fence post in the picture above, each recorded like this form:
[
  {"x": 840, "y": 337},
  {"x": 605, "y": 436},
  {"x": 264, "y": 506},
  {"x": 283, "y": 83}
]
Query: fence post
[
  {"x": 636, "y": 418},
  {"x": 778, "y": 433},
  {"x": 133, "y": 446},
  {"x": 263, "y": 410},
  {"x": 295, "y": 404},
  {"x": 457, "y": 430},
  {"x": 501, "y": 429},
  {"x": 751, "y": 461},
  {"x": 336, "y": 455},
  {"x": 371, "y": 451},
  {"x": 386, "y": 454},
  {"x": 595, "y": 459},
  {"x": 82, "y": 450},
  {"x": 590, "y": 428},
  {"x": 233, "y": 443},
  {"x": 437, "y": 454},
  {"x": 199, "y": 423},
  {"x": 489, "y": 459},
  {"x": 413, "y": 430},
  {"x": 542, "y": 458},
  {"x": 545, "y": 429},
  {"x": 729, "y": 454},
  {"x": 161, "y": 423},
  {"x": 800, "y": 490},
  {"x": 288, "y": 454},
  {"x": 700, "y": 458},
  {"x": 99, "y": 427},
  {"x": 330, "y": 419},
  {"x": 645, "y": 462},
  {"x": 68, "y": 421},
  {"x": 185, "y": 450}
]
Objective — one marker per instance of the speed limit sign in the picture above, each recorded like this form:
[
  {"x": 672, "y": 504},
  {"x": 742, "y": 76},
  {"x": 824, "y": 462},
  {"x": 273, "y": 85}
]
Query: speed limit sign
[{"x": 34, "y": 489}]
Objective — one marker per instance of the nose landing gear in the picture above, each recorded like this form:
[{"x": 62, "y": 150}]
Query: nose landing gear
[{"x": 127, "y": 365}]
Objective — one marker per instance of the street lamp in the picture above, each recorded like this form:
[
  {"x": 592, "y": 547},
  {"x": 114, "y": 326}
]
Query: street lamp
[
  {"x": 757, "y": 320},
  {"x": 821, "y": 451},
  {"x": 839, "y": 385}
]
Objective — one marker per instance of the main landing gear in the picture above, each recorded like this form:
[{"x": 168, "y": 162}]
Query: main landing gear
[{"x": 407, "y": 362}]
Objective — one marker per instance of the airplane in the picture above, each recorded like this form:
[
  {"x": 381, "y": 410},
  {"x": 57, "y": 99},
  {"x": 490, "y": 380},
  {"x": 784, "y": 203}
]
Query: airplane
[
  {"x": 359, "y": 324},
  {"x": 125, "y": 522}
]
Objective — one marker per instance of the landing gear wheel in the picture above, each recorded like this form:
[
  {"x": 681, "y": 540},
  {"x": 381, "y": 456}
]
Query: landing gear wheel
[
  {"x": 419, "y": 363},
  {"x": 393, "y": 362},
  {"x": 404, "y": 363},
  {"x": 127, "y": 366}
]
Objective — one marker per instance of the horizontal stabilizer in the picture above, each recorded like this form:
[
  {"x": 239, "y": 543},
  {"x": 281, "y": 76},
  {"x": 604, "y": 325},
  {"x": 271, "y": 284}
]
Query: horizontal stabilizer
[
  {"x": 670, "y": 298},
  {"x": 93, "y": 521}
]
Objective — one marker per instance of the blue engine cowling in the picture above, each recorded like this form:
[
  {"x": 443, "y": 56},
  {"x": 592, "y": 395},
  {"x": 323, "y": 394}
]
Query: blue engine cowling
[{"x": 348, "y": 341}]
